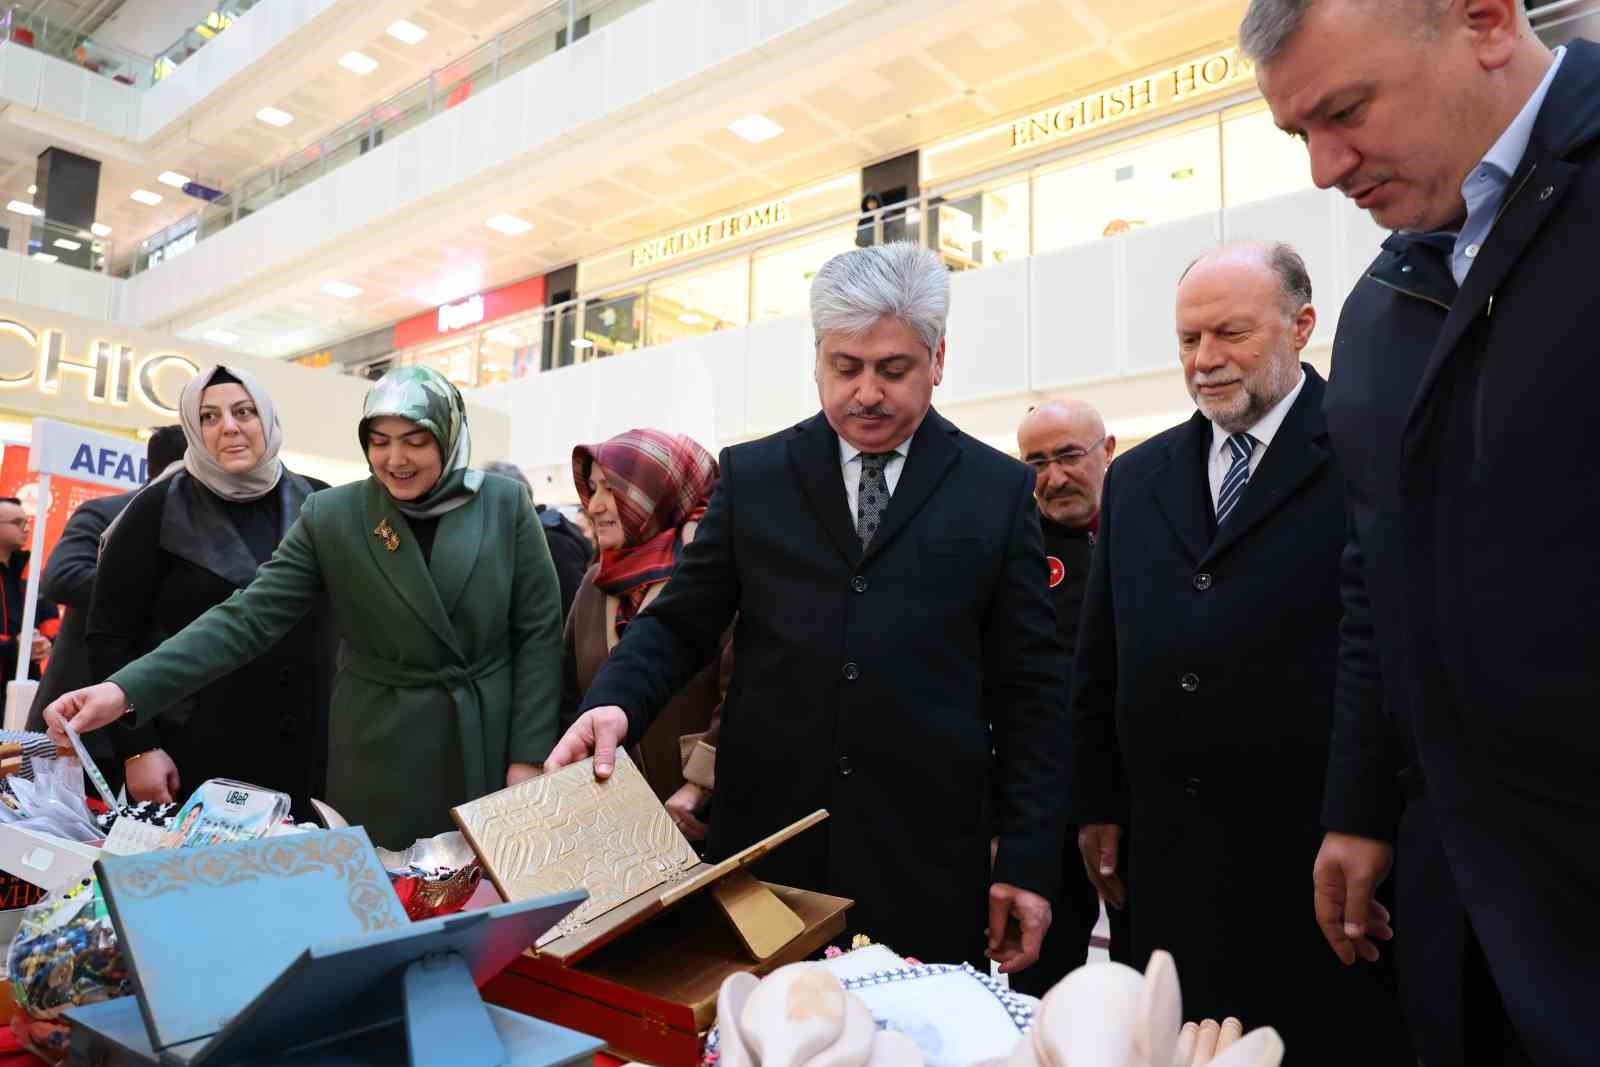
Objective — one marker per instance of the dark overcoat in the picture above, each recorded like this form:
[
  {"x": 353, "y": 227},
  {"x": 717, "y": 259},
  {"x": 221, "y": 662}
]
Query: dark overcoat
[
  {"x": 1202, "y": 697},
  {"x": 869, "y": 683},
  {"x": 1465, "y": 422}
]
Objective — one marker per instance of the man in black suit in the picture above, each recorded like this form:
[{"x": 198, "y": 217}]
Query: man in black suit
[
  {"x": 894, "y": 623},
  {"x": 68, "y": 580},
  {"x": 1461, "y": 407},
  {"x": 1066, "y": 443},
  {"x": 1203, "y": 682}
]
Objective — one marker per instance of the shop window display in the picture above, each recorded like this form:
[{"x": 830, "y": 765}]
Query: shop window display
[
  {"x": 511, "y": 349},
  {"x": 611, "y": 324},
  {"x": 1170, "y": 175},
  {"x": 980, "y": 228},
  {"x": 700, "y": 303},
  {"x": 781, "y": 277},
  {"x": 456, "y": 360}
]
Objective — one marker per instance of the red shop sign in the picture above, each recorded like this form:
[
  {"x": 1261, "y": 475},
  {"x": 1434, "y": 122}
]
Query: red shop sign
[{"x": 465, "y": 314}]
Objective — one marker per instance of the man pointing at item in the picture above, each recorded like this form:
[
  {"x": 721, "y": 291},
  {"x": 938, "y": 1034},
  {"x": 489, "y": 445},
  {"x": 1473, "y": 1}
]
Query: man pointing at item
[{"x": 894, "y": 622}]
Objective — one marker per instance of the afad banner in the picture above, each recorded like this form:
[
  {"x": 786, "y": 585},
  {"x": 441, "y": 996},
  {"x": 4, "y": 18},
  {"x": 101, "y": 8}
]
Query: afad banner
[{"x": 66, "y": 493}]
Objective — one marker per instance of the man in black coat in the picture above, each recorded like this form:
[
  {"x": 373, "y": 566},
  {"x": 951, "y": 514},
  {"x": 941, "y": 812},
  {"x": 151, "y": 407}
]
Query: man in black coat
[
  {"x": 1203, "y": 683},
  {"x": 68, "y": 580},
  {"x": 1066, "y": 443},
  {"x": 15, "y": 527},
  {"x": 1460, "y": 407},
  {"x": 894, "y": 626}
]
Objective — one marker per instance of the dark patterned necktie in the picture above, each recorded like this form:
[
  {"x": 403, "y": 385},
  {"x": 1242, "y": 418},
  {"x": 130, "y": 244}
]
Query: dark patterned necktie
[
  {"x": 1238, "y": 476},
  {"x": 872, "y": 495}
]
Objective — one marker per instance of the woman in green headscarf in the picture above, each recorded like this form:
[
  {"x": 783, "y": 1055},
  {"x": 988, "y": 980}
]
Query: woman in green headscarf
[{"x": 442, "y": 587}]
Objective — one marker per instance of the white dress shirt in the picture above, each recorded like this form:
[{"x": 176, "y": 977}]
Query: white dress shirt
[
  {"x": 1263, "y": 431},
  {"x": 850, "y": 464}
]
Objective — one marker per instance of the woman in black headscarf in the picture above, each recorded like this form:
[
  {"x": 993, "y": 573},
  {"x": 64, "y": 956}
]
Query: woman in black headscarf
[{"x": 186, "y": 543}]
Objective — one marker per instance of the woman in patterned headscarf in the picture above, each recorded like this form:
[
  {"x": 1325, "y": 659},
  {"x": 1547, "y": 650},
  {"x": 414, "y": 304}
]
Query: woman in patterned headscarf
[
  {"x": 442, "y": 587},
  {"x": 645, "y": 491}
]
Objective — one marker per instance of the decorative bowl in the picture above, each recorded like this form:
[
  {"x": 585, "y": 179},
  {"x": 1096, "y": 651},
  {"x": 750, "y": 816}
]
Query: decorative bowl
[{"x": 435, "y": 876}]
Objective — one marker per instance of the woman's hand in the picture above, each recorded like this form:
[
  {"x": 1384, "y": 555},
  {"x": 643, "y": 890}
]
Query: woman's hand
[
  {"x": 685, "y": 807},
  {"x": 86, "y": 709},
  {"x": 152, "y": 776},
  {"x": 518, "y": 773}
]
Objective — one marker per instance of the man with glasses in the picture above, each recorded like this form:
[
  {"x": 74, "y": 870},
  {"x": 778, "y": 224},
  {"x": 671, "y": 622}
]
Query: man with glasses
[
  {"x": 1066, "y": 444},
  {"x": 1203, "y": 685},
  {"x": 14, "y": 531}
]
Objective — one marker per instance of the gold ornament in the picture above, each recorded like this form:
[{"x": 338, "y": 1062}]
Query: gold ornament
[{"x": 385, "y": 533}]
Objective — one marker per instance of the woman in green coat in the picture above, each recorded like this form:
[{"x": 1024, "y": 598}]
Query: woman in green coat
[{"x": 441, "y": 585}]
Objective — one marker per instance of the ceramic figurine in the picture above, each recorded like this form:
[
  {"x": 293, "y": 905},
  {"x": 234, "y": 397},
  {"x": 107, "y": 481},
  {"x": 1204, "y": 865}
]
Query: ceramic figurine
[
  {"x": 1109, "y": 1015},
  {"x": 800, "y": 1016}
]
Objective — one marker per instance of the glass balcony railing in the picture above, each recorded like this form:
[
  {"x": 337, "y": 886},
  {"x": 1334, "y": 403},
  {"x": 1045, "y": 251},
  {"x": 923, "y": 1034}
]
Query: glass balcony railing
[
  {"x": 534, "y": 39},
  {"x": 198, "y": 36},
  {"x": 55, "y": 37},
  {"x": 25, "y": 231}
]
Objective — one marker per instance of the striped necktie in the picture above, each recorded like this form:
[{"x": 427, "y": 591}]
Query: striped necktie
[{"x": 1238, "y": 476}]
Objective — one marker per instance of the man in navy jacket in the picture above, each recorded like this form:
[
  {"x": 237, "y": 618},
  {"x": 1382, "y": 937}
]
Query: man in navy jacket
[{"x": 1460, "y": 406}]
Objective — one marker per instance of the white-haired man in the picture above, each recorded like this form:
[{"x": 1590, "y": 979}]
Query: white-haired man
[
  {"x": 1460, "y": 405},
  {"x": 894, "y": 623}
]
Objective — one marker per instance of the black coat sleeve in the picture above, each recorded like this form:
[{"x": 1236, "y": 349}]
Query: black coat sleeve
[
  {"x": 1363, "y": 794},
  {"x": 69, "y": 576},
  {"x": 1024, "y": 671},
  {"x": 1094, "y": 753},
  {"x": 677, "y": 636},
  {"x": 122, "y": 609}
]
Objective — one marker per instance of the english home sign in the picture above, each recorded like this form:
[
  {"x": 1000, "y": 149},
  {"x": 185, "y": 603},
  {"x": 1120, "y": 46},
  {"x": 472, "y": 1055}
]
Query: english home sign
[
  {"x": 1135, "y": 99},
  {"x": 110, "y": 373}
]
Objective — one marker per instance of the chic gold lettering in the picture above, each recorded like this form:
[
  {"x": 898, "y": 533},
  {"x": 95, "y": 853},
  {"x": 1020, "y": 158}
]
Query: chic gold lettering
[{"x": 18, "y": 348}]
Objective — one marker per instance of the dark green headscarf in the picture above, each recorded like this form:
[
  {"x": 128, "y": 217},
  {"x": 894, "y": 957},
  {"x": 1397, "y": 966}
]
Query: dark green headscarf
[{"x": 424, "y": 396}]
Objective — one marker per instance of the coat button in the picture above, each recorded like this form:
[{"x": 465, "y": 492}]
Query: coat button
[
  {"x": 1191, "y": 787},
  {"x": 844, "y": 767},
  {"x": 859, "y": 583},
  {"x": 1202, "y": 582},
  {"x": 851, "y": 672},
  {"x": 1190, "y": 682}
]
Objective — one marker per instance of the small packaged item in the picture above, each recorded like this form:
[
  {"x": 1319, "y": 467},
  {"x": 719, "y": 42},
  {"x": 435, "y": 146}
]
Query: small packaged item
[
  {"x": 64, "y": 955},
  {"x": 223, "y": 811}
]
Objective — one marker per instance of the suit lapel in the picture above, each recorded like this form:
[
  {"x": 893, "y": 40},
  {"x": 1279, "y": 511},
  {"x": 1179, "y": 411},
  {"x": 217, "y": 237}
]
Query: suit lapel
[
  {"x": 403, "y": 567},
  {"x": 1298, "y": 451},
  {"x": 195, "y": 527},
  {"x": 455, "y": 552},
  {"x": 1536, "y": 190},
  {"x": 933, "y": 452},
  {"x": 1182, "y": 489},
  {"x": 814, "y": 455}
]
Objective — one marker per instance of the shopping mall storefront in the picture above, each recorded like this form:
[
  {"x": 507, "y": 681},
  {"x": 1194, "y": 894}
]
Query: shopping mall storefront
[{"x": 1187, "y": 139}]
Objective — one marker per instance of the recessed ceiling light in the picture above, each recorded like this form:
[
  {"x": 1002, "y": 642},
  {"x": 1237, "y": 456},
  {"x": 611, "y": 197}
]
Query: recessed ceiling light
[
  {"x": 63, "y": 243},
  {"x": 582, "y": 342},
  {"x": 358, "y": 63},
  {"x": 509, "y": 225},
  {"x": 145, "y": 196},
  {"x": 22, "y": 207},
  {"x": 274, "y": 117},
  {"x": 100, "y": 229},
  {"x": 46, "y": 256},
  {"x": 689, "y": 318},
  {"x": 342, "y": 290},
  {"x": 406, "y": 32},
  {"x": 755, "y": 128},
  {"x": 173, "y": 178},
  {"x": 221, "y": 337}
]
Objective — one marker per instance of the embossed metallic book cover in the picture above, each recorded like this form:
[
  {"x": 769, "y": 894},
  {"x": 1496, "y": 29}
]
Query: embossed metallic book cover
[{"x": 565, "y": 830}]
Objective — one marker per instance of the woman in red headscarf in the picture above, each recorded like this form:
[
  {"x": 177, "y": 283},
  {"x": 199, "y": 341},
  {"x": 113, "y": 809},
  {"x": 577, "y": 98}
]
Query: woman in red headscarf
[{"x": 645, "y": 491}]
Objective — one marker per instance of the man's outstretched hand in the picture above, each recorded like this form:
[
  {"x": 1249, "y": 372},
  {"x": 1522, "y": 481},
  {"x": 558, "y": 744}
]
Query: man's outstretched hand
[{"x": 599, "y": 732}]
